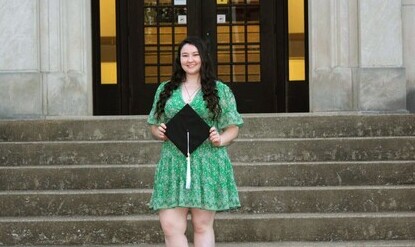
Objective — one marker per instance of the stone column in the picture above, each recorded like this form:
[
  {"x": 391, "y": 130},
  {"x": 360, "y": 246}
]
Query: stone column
[
  {"x": 45, "y": 65},
  {"x": 20, "y": 80},
  {"x": 381, "y": 76},
  {"x": 408, "y": 8},
  {"x": 356, "y": 56},
  {"x": 333, "y": 54}
]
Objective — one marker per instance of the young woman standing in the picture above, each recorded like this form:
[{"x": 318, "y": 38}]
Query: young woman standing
[{"x": 213, "y": 186}]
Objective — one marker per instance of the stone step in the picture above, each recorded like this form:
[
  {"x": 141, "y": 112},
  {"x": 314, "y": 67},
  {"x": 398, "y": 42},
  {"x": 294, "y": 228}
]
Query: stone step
[
  {"x": 63, "y": 177},
  {"x": 322, "y": 244},
  {"x": 229, "y": 228},
  {"x": 303, "y": 179},
  {"x": 291, "y": 125},
  {"x": 243, "y": 150},
  {"x": 390, "y": 243},
  {"x": 253, "y": 199},
  {"x": 379, "y": 243}
]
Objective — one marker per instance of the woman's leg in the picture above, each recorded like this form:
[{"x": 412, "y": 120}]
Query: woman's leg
[
  {"x": 202, "y": 221},
  {"x": 174, "y": 223}
]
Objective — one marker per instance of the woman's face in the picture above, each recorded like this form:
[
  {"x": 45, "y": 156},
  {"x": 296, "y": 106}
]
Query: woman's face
[{"x": 190, "y": 59}]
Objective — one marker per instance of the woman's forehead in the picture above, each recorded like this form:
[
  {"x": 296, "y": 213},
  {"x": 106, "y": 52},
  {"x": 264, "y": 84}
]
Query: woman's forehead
[{"x": 188, "y": 48}]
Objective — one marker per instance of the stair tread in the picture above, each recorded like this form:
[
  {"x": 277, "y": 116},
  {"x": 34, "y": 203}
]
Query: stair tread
[
  {"x": 239, "y": 139},
  {"x": 240, "y": 188},
  {"x": 272, "y": 163},
  {"x": 382, "y": 243},
  {"x": 322, "y": 244},
  {"x": 219, "y": 216}
]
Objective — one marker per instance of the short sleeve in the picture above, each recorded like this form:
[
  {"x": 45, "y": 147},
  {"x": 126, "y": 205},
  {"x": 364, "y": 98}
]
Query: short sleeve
[
  {"x": 152, "y": 119},
  {"x": 230, "y": 114}
]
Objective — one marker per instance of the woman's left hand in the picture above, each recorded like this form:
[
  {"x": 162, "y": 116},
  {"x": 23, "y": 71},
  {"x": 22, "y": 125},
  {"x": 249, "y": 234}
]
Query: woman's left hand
[
  {"x": 224, "y": 138},
  {"x": 215, "y": 137}
]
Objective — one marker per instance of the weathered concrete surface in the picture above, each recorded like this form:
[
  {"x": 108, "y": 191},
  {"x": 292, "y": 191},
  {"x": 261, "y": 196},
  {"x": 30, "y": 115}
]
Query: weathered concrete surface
[
  {"x": 302, "y": 180},
  {"x": 243, "y": 150},
  {"x": 256, "y": 126},
  {"x": 90, "y": 177},
  {"x": 254, "y": 200},
  {"x": 233, "y": 228}
]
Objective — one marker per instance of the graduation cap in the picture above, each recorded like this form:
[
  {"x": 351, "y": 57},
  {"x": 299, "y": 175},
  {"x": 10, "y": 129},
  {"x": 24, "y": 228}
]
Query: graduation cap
[{"x": 187, "y": 130}]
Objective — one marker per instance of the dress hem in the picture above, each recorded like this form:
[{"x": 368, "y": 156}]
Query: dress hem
[{"x": 198, "y": 207}]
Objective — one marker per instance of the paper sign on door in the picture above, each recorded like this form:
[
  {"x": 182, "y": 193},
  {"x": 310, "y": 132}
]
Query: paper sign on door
[
  {"x": 182, "y": 19},
  {"x": 179, "y": 2},
  {"x": 221, "y": 18}
]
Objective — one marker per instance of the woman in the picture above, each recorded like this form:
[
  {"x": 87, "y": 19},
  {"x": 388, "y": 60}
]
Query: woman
[{"x": 213, "y": 185}]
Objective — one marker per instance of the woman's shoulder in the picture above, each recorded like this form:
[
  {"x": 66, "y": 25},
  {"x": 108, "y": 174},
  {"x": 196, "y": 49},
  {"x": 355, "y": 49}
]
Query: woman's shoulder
[
  {"x": 161, "y": 86},
  {"x": 163, "y": 83},
  {"x": 223, "y": 87},
  {"x": 220, "y": 85}
]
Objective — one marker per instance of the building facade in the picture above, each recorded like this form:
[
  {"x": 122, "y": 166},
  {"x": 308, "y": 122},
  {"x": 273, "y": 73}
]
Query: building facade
[{"x": 360, "y": 57}]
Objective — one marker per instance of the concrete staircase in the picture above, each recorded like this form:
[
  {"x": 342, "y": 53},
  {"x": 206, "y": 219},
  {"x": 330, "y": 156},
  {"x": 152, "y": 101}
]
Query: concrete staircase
[{"x": 304, "y": 180}]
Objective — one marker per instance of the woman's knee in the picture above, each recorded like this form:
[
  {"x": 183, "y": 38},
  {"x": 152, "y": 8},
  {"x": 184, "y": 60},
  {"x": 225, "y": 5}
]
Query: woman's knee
[
  {"x": 173, "y": 221},
  {"x": 202, "y": 220}
]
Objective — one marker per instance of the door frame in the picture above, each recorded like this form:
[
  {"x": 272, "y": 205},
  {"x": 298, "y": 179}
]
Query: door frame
[
  {"x": 110, "y": 99},
  {"x": 288, "y": 93},
  {"x": 132, "y": 96}
]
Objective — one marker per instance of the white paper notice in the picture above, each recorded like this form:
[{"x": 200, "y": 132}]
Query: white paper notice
[
  {"x": 221, "y": 19},
  {"x": 182, "y": 19},
  {"x": 179, "y": 2}
]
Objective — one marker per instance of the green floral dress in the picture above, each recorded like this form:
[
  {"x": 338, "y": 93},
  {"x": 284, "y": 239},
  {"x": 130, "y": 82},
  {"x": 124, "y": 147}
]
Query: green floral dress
[{"x": 213, "y": 185}]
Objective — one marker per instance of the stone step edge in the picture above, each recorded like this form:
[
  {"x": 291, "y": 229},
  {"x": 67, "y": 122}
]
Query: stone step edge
[
  {"x": 384, "y": 243},
  {"x": 293, "y": 139},
  {"x": 240, "y": 189},
  {"x": 239, "y": 164},
  {"x": 219, "y": 216},
  {"x": 380, "y": 243}
]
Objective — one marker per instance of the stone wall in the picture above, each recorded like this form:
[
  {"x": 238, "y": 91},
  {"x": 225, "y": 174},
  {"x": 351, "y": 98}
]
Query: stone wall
[
  {"x": 356, "y": 56},
  {"x": 45, "y": 65},
  {"x": 409, "y": 50},
  {"x": 361, "y": 57}
]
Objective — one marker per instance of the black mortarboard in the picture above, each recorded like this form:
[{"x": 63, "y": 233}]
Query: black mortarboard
[{"x": 187, "y": 122}]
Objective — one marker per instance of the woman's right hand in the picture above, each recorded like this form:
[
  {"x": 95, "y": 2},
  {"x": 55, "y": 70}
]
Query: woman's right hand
[{"x": 159, "y": 131}]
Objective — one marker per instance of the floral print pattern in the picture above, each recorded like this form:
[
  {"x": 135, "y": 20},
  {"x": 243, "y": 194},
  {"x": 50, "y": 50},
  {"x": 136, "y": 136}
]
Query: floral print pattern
[{"x": 213, "y": 185}]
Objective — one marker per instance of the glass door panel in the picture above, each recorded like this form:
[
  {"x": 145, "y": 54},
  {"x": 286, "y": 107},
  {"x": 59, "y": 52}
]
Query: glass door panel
[
  {"x": 296, "y": 40},
  {"x": 238, "y": 39},
  {"x": 165, "y": 26},
  {"x": 108, "y": 42}
]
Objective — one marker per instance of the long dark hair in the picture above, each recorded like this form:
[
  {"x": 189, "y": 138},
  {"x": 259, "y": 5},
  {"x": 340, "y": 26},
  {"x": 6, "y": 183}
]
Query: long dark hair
[{"x": 207, "y": 76}]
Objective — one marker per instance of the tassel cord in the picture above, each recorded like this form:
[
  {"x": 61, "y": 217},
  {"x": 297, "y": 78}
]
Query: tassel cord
[{"x": 188, "y": 173}]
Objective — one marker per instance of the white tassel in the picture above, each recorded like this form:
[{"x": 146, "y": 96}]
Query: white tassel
[{"x": 188, "y": 174}]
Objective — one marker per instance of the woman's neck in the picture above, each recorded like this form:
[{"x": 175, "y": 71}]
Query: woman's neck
[{"x": 192, "y": 81}]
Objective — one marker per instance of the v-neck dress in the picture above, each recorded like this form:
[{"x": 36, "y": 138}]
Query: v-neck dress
[{"x": 213, "y": 184}]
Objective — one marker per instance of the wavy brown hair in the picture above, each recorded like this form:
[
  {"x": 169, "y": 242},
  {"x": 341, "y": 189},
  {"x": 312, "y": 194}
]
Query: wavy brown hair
[{"x": 207, "y": 76}]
